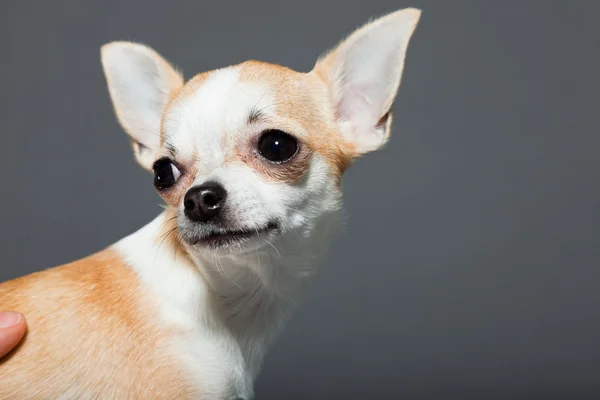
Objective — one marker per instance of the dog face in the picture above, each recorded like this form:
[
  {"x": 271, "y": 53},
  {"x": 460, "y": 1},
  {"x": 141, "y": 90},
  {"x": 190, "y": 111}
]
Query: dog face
[{"x": 255, "y": 152}]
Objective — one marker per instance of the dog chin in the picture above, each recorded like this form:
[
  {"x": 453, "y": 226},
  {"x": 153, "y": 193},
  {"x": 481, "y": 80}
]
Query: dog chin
[{"x": 231, "y": 239}]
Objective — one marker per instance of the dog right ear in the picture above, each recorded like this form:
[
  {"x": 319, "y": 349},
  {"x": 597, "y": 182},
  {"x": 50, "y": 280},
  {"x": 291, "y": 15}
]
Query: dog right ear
[
  {"x": 363, "y": 74},
  {"x": 140, "y": 83}
]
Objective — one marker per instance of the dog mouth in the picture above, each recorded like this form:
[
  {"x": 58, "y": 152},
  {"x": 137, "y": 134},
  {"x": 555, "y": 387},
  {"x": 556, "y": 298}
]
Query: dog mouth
[{"x": 227, "y": 237}]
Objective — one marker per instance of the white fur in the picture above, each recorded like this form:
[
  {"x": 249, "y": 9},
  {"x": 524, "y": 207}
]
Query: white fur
[
  {"x": 212, "y": 358},
  {"x": 222, "y": 341},
  {"x": 196, "y": 123}
]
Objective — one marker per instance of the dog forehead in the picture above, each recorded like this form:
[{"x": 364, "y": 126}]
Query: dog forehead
[
  {"x": 222, "y": 103},
  {"x": 200, "y": 113}
]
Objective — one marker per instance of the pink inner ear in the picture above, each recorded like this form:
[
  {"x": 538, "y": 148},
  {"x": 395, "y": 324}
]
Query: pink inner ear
[
  {"x": 359, "y": 111},
  {"x": 355, "y": 105}
]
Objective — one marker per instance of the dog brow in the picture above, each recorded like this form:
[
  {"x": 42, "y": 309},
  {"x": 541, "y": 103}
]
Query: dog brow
[
  {"x": 254, "y": 115},
  {"x": 171, "y": 149}
]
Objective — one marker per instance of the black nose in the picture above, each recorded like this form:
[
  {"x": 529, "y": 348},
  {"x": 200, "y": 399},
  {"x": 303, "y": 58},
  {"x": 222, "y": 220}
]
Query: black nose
[{"x": 204, "y": 202}]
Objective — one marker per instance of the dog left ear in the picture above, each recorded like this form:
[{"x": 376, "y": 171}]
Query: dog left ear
[
  {"x": 363, "y": 75},
  {"x": 141, "y": 83}
]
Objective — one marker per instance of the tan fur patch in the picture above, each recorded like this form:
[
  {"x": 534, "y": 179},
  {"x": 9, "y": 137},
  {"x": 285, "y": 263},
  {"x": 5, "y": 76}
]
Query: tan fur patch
[
  {"x": 304, "y": 99},
  {"x": 90, "y": 328},
  {"x": 289, "y": 172}
]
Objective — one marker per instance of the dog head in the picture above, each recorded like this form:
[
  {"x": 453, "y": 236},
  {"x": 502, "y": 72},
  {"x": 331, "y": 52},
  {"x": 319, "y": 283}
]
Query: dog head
[{"x": 252, "y": 152}]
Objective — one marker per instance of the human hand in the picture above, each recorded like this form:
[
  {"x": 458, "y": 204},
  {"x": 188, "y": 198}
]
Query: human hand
[{"x": 12, "y": 329}]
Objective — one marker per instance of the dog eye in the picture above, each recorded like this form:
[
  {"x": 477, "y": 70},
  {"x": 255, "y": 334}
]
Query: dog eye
[
  {"x": 165, "y": 174},
  {"x": 277, "y": 146}
]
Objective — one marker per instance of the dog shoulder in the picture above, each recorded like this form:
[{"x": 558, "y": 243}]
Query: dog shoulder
[{"x": 91, "y": 330}]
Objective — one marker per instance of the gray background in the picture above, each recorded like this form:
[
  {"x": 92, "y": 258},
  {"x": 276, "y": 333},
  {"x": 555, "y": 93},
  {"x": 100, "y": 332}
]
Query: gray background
[{"x": 470, "y": 263}]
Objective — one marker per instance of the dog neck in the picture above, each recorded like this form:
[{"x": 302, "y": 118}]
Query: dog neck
[{"x": 243, "y": 296}]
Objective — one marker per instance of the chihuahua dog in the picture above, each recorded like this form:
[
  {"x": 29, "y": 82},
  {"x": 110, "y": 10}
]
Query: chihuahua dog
[{"x": 249, "y": 161}]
